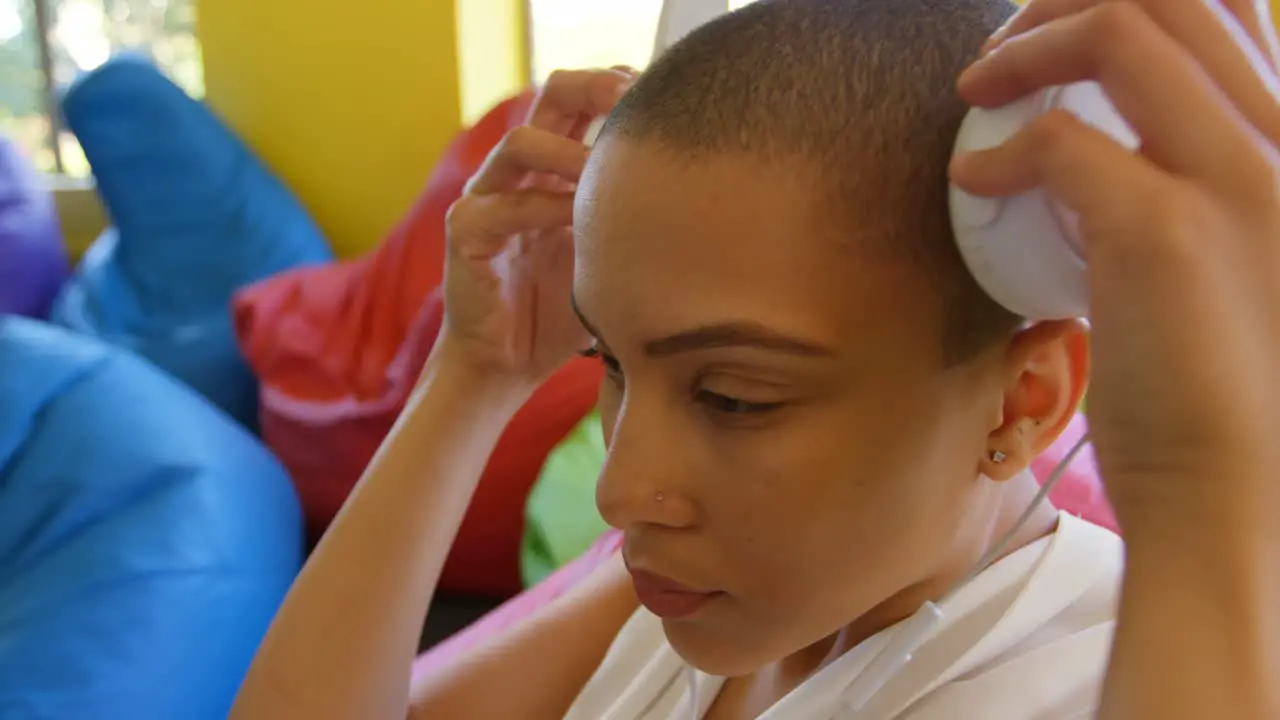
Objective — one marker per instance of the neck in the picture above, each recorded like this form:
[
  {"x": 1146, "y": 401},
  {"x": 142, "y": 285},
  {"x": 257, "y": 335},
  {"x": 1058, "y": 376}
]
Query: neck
[{"x": 1015, "y": 496}]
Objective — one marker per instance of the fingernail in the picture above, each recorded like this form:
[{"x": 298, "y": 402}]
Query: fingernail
[
  {"x": 997, "y": 37},
  {"x": 992, "y": 42}
]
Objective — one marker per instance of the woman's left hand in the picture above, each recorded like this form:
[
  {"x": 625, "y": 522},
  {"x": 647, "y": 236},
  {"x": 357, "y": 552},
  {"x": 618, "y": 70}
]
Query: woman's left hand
[
  {"x": 1183, "y": 237},
  {"x": 1183, "y": 245}
]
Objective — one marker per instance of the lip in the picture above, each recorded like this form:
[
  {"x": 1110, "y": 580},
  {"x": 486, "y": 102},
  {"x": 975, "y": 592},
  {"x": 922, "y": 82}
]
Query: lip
[{"x": 667, "y": 598}]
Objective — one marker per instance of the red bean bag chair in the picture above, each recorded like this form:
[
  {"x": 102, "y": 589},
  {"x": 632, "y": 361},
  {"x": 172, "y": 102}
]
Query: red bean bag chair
[{"x": 338, "y": 347}]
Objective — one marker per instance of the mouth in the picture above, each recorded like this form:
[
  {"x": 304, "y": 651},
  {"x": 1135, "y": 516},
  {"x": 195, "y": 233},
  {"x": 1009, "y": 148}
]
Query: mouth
[{"x": 667, "y": 598}]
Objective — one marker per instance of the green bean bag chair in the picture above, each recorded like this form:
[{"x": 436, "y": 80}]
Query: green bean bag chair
[{"x": 561, "y": 519}]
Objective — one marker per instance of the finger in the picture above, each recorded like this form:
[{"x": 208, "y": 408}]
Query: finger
[
  {"x": 1081, "y": 165},
  {"x": 1085, "y": 171},
  {"x": 480, "y": 225},
  {"x": 1234, "y": 39},
  {"x": 1252, "y": 16},
  {"x": 1255, "y": 19},
  {"x": 527, "y": 150},
  {"x": 1143, "y": 230},
  {"x": 1017, "y": 24},
  {"x": 579, "y": 130},
  {"x": 1161, "y": 90},
  {"x": 568, "y": 95}
]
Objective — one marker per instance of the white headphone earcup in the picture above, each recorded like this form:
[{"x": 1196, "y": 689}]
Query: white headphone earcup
[{"x": 1025, "y": 251}]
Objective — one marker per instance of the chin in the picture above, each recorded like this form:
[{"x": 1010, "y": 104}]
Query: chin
[{"x": 713, "y": 652}]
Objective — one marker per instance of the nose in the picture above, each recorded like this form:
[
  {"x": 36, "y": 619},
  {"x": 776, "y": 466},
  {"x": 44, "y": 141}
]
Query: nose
[{"x": 642, "y": 482}]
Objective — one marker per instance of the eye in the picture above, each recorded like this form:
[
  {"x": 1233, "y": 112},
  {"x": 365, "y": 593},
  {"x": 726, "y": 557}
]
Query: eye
[
  {"x": 611, "y": 365},
  {"x": 731, "y": 406}
]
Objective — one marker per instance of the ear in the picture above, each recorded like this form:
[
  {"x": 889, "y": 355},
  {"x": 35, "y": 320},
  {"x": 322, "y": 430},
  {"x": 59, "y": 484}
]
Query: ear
[{"x": 1046, "y": 373}]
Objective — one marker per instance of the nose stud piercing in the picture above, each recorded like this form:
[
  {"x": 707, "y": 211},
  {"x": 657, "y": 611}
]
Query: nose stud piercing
[{"x": 998, "y": 457}]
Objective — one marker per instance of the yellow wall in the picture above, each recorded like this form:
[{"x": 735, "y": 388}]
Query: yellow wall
[
  {"x": 81, "y": 215},
  {"x": 493, "y": 53},
  {"x": 351, "y": 103}
]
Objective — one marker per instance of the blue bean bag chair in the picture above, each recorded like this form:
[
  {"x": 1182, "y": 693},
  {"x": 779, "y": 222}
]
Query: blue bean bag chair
[
  {"x": 195, "y": 217},
  {"x": 33, "y": 261},
  {"x": 146, "y": 539}
]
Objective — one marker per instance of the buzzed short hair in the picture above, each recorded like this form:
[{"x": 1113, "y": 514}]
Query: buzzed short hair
[{"x": 865, "y": 91}]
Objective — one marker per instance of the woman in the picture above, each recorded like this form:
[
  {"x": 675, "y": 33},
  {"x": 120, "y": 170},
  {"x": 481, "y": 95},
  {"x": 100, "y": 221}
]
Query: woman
[{"x": 1183, "y": 247}]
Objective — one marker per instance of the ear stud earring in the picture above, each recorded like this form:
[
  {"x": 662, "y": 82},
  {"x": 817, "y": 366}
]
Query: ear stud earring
[{"x": 998, "y": 457}]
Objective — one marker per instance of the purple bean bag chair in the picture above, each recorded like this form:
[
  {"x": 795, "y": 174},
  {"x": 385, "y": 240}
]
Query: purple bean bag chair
[{"x": 33, "y": 260}]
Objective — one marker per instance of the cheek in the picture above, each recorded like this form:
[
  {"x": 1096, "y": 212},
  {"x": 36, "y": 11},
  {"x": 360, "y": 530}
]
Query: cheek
[
  {"x": 809, "y": 505},
  {"x": 789, "y": 500},
  {"x": 804, "y": 478}
]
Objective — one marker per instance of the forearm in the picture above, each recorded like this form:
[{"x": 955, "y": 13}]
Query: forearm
[
  {"x": 541, "y": 662},
  {"x": 343, "y": 641},
  {"x": 1197, "y": 636}
]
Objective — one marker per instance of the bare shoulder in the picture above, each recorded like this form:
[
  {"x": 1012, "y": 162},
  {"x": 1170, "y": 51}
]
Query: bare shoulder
[{"x": 537, "y": 667}]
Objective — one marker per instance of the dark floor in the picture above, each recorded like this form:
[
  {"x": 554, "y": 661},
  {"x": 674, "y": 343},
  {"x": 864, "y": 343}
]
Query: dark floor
[{"x": 451, "y": 613}]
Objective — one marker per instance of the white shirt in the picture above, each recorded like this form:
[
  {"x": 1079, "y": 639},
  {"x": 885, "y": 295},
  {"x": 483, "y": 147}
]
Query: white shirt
[{"x": 1028, "y": 639}]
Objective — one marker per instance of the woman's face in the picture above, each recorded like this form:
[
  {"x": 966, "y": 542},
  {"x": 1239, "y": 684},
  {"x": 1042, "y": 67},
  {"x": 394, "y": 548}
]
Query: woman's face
[{"x": 781, "y": 430}]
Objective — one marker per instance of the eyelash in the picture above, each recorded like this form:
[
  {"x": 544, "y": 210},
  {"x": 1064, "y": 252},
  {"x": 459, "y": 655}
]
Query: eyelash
[
  {"x": 715, "y": 402},
  {"x": 611, "y": 365}
]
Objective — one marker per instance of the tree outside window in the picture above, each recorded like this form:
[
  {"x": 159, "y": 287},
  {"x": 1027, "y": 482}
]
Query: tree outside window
[{"x": 45, "y": 44}]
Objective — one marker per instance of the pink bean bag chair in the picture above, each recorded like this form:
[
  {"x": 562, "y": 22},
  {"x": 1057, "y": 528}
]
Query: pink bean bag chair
[
  {"x": 519, "y": 607},
  {"x": 1079, "y": 492}
]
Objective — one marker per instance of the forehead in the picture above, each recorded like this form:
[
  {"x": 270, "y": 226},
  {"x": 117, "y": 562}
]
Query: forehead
[{"x": 673, "y": 242}]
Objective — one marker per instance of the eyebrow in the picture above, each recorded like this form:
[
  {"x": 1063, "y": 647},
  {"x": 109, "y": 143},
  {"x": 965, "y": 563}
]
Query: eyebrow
[{"x": 722, "y": 335}]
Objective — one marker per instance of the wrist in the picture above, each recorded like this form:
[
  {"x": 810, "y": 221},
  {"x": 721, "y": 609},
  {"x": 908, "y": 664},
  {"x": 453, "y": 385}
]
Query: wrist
[
  {"x": 1197, "y": 608},
  {"x": 1202, "y": 558},
  {"x": 1226, "y": 508},
  {"x": 451, "y": 374},
  {"x": 1236, "y": 559}
]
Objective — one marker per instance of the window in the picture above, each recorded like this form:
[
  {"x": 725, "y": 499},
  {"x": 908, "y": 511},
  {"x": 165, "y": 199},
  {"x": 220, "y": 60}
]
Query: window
[
  {"x": 593, "y": 33},
  {"x": 44, "y": 44}
]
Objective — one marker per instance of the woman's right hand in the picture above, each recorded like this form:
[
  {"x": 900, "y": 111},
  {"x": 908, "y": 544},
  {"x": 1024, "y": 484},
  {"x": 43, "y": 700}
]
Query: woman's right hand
[
  {"x": 509, "y": 263},
  {"x": 508, "y": 270}
]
